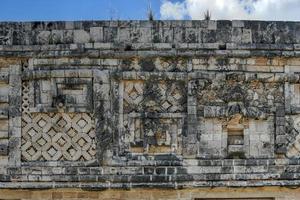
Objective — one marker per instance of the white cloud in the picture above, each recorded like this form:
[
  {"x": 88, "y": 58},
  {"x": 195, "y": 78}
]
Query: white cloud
[
  {"x": 232, "y": 9},
  {"x": 169, "y": 10}
]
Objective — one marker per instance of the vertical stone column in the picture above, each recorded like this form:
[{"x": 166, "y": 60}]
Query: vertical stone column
[
  {"x": 15, "y": 114},
  {"x": 190, "y": 146},
  {"x": 103, "y": 116},
  {"x": 120, "y": 119},
  {"x": 280, "y": 137},
  {"x": 287, "y": 96}
]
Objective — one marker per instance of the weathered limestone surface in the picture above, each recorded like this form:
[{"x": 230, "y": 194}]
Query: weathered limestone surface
[{"x": 158, "y": 104}]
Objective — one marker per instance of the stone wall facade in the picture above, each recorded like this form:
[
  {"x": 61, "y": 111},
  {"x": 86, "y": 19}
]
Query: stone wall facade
[{"x": 180, "y": 105}]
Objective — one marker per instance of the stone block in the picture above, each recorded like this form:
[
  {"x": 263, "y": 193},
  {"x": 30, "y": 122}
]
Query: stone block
[
  {"x": 238, "y": 24},
  {"x": 43, "y": 37},
  {"x": 212, "y": 25},
  {"x": 96, "y": 34},
  {"x": 81, "y": 36},
  {"x": 3, "y": 147},
  {"x": 246, "y": 36}
]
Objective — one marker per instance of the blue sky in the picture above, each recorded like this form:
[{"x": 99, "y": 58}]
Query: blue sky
[
  {"x": 47, "y": 10},
  {"x": 30, "y": 10}
]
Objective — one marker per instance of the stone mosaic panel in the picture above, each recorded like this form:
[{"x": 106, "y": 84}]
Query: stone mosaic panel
[
  {"x": 236, "y": 114},
  {"x": 25, "y": 97},
  {"x": 293, "y": 137},
  {"x": 295, "y": 94},
  {"x": 261, "y": 138},
  {"x": 155, "y": 135},
  {"x": 292, "y": 98},
  {"x": 235, "y": 93},
  {"x": 153, "y": 113},
  {"x": 154, "y": 96},
  {"x": 212, "y": 139},
  {"x": 70, "y": 94},
  {"x": 58, "y": 136},
  {"x": 236, "y": 137}
]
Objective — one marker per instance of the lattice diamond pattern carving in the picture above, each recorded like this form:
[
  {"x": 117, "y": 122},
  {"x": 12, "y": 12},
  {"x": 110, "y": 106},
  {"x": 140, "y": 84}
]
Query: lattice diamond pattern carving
[
  {"x": 25, "y": 97},
  {"x": 133, "y": 92},
  {"x": 58, "y": 136},
  {"x": 159, "y": 96}
]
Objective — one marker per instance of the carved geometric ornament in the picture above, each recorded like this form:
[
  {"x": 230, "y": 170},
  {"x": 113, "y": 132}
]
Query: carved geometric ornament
[{"x": 58, "y": 136}]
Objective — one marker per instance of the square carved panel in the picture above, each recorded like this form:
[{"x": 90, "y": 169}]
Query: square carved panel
[
  {"x": 57, "y": 120},
  {"x": 155, "y": 135},
  {"x": 152, "y": 113},
  {"x": 63, "y": 94}
]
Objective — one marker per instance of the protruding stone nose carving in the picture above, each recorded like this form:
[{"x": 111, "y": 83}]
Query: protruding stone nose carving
[{"x": 59, "y": 101}]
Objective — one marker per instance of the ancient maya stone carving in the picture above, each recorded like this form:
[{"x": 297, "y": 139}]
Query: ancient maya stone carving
[
  {"x": 197, "y": 107},
  {"x": 57, "y": 136}
]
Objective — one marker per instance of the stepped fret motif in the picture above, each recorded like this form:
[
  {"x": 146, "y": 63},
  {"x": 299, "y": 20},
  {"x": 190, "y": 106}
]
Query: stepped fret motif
[{"x": 55, "y": 136}]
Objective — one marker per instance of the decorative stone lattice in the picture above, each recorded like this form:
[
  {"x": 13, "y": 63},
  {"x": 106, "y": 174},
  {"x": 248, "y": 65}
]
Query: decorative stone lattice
[
  {"x": 160, "y": 96},
  {"x": 25, "y": 97},
  {"x": 58, "y": 136},
  {"x": 133, "y": 93},
  {"x": 55, "y": 136}
]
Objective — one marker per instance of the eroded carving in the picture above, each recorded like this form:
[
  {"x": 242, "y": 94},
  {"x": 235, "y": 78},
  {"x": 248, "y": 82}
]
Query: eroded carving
[
  {"x": 155, "y": 135},
  {"x": 153, "y": 115},
  {"x": 154, "y": 96}
]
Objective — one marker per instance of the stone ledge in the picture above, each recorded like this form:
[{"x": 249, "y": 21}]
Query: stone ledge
[
  {"x": 152, "y": 31},
  {"x": 96, "y": 53},
  {"x": 149, "y": 46},
  {"x": 94, "y": 186}
]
